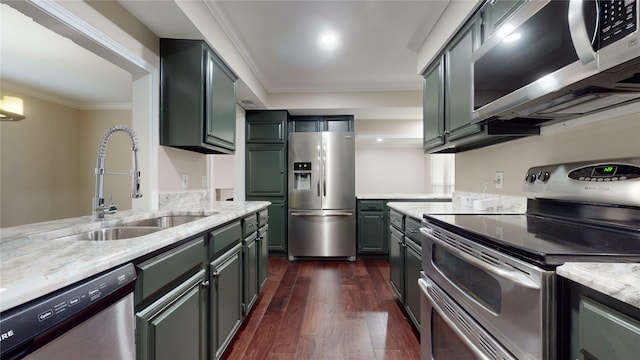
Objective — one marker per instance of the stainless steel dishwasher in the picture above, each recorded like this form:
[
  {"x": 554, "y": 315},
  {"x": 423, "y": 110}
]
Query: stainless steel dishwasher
[{"x": 92, "y": 319}]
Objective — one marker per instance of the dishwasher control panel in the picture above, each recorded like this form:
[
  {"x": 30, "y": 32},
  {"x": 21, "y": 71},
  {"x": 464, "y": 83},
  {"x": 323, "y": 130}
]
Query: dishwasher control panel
[{"x": 21, "y": 325}]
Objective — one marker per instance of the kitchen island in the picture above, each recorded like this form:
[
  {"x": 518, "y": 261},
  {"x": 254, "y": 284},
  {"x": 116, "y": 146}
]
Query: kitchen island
[{"x": 34, "y": 262}]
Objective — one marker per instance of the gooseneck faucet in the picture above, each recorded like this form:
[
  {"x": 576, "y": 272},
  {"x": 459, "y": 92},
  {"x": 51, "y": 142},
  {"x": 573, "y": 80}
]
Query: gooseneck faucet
[{"x": 99, "y": 208}]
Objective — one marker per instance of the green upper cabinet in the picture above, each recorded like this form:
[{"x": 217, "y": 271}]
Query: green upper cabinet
[
  {"x": 315, "y": 123},
  {"x": 197, "y": 98},
  {"x": 448, "y": 102},
  {"x": 496, "y": 12},
  {"x": 447, "y": 92},
  {"x": 433, "y": 105},
  {"x": 458, "y": 83},
  {"x": 266, "y": 126}
]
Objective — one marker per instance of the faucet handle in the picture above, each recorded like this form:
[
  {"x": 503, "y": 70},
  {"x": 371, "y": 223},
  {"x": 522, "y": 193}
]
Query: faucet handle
[
  {"x": 135, "y": 186},
  {"x": 111, "y": 209}
]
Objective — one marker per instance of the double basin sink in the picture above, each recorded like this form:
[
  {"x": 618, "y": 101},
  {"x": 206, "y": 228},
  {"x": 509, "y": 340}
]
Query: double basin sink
[{"x": 134, "y": 228}]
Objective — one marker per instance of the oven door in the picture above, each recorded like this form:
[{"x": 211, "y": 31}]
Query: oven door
[
  {"x": 450, "y": 333},
  {"x": 512, "y": 300}
]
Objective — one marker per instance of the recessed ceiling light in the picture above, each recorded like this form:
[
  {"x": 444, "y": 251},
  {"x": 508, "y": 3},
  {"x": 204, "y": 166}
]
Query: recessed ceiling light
[
  {"x": 379, "y": 139},
  {"x": 328, "y": 40}
]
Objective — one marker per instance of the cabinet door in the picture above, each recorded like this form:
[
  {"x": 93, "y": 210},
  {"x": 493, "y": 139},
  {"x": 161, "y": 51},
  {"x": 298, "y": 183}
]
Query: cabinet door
[
  {"x": 497, "y": 12},
  {"x": 266, "y": 126},
  {"x": 173, "y": 326},
  {"x": 265, "y": 170},
  {"x": 263, "y": 256},
  {"x": 250, "y": 283},
  {"x": 221, "y": 105},
  {"x": 458, "y": 101},
  {"x": 225, "y": 299},
  {"x": 371, "y": 232},
  {"x": 412, "y": 266},
  {"x": 396, "y": 262},
  {"x": 277, "y": 225},
  {"x": 433, "y": 105}
]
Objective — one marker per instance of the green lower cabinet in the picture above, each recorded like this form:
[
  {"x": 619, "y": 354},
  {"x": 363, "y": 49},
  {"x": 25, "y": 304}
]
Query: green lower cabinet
[
  {"x": 396, "y": 262},
  {"x": 250, "y": 260},
  {"x": 277, "y": 226},
  {"x": 371, "y": 233},
  {"x": 225, "y": 300},
  {"x": 412, "y": 268},
  {"x": 173, "y": 326},
  {"x": 263, "y": 256}
]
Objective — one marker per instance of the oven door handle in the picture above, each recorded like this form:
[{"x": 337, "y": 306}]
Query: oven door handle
[
  {"x": 513, "y": 276},
  {"x": 424, "y": 287}
]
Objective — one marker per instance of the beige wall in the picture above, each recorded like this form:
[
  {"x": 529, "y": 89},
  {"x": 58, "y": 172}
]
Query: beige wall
[
  {"x": 611, "y": 138},
  {"x": 173, "y": 163},
  {"x": 392, "y": 170},
  {"x": 47, "y": 161}
]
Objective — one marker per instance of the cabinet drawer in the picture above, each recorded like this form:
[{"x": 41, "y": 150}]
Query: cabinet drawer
[
  {"x": 263, "y": 217},
  {"x": 224, "y": 237},
  {"x": 371, "y": 205},
  {"x": 606, "y": 333},
  {"x": 397, "y": 220},
  {"x": 157, "y": 272},
  {"x": 412, "y": 229},
  {"x": 249, "y": 224}
]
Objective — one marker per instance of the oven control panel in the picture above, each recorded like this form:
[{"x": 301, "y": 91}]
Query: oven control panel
[{"x": 612, "y": 181}]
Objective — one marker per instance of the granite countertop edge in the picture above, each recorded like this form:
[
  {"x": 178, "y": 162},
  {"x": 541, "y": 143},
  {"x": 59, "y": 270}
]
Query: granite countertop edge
[
  {"x": 400, "y": 196},
  {"x": 620, "y": 281},
  {"x": 34, "y": 263}
]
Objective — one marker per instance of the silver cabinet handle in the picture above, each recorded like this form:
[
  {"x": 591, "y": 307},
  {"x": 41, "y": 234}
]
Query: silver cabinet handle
[{"x": 506, "y": 274}]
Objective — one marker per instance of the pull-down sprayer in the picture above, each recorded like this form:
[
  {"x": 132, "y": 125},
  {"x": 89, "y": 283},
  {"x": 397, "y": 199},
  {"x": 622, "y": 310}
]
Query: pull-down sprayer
[{"x": 99, "y": 208}]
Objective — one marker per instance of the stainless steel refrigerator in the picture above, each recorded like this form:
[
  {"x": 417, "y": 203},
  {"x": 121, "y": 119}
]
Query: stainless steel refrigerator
[{"x": 322, "y": 220}]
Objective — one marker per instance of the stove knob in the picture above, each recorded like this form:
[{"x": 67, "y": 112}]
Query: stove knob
[
  {"x": 544, "y": 177},
  {"x": 531, "y": 178}
]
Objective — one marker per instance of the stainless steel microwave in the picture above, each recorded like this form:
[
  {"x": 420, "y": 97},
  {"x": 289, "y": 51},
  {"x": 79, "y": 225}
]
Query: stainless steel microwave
[{"x": 558, "y": 60}]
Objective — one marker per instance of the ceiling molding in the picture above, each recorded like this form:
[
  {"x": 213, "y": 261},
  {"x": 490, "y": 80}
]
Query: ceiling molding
[
  {"x": 63, "y": 101},
  {"x": 219, "y": 14},
  {"x": 426, "y": 25}
]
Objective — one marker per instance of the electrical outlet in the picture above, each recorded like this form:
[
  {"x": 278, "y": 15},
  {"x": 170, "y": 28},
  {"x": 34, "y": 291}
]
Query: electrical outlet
[
  {"x": 499, "y": 179},
  {"x": 205, "y": 181},
  {"x": 185, "y": 181}
]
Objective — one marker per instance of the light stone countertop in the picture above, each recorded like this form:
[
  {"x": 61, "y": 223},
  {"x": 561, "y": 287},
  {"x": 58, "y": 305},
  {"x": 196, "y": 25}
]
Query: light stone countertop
[
  {"x": 621, "y": 281},
  {"x": 33, "y": 262},
  {"x": 399, "y": 196},
  {"x": 507, "y": 205}
]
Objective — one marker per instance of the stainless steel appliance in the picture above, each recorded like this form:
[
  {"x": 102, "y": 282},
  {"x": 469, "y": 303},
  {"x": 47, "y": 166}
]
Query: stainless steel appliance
[
  {"x": 489, "y": 281},
  {"x": 559, "y": 60},
  {"x": 93, "y": 319},
  {"x": 322, "y": 195}
]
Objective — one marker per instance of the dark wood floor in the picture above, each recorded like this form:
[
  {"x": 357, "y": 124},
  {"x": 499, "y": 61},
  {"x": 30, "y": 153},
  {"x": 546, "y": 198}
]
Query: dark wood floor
[{"x": 326, "y": 310}]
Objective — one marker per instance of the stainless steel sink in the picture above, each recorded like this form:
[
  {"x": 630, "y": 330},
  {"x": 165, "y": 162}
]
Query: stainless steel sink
[
  {"x": 113, "y": 233},
  {"x": 166, "y": 221}
]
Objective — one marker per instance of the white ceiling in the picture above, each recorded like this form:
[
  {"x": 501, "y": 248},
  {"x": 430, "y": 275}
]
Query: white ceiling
[
  {"x": 277, "y": 39},
  {"x": 37, "y": 61}
]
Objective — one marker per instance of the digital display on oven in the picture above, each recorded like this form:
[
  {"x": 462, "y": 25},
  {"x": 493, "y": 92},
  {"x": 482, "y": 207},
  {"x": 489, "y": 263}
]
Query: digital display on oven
[{"x": 604, "y": 171}]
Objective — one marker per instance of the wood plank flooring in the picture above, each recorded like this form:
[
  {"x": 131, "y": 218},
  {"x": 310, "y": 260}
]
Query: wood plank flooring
[{"x": 326, "y": 310}]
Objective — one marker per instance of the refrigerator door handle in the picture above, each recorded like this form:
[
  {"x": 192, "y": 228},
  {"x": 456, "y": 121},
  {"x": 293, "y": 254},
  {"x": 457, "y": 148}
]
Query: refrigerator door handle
[
  {"x": 321, "y": 215},
  {"x": 324, "y": 169}
]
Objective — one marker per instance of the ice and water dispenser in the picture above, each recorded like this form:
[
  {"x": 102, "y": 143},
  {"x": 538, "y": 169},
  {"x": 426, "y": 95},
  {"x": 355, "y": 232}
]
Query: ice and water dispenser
[{"x": 302, "y": 176}]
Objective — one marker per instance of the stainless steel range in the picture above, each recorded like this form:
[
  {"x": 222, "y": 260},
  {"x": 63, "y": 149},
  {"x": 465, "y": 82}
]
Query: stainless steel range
[{"x": 489, "y": 288}]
